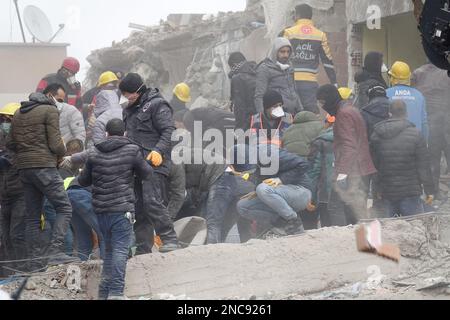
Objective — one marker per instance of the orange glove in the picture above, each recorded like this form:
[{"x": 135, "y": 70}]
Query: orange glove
[
  {"x": 311, "y": 208},
  {"x": 155, "y": 158},
  {"x": 429, "y": 200}
]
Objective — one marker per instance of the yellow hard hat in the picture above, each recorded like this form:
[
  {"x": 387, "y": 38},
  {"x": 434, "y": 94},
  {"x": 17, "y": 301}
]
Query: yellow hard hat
[
  {"x": 107, "y": 77},
  {"x": 182, "y": 92},
  {"x": 400, "y": 71},
  {"x": 10, "y": 109},
  {"x": 345, "y": 93}
]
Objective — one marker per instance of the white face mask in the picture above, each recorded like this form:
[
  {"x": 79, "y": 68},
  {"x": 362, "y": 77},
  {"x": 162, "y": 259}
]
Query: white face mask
[
  {"x": 278, "y": 112},
  {"x": 124, "y": 102},
  {"x": 384, "y": 68},
  {"x": 58, "y": 104}
]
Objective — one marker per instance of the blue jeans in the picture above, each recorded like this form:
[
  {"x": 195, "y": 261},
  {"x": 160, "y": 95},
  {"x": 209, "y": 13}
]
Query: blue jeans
[
  {"x": 117, "y": 232},
  {"x": 285, "y": 201},
  {"x": 84, "y": 220},
  {"x": 50, "y": 218},
  {"x": 404, "y": 207}
]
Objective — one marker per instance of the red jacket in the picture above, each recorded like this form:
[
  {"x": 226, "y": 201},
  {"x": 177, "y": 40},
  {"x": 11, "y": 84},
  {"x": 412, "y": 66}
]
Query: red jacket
[{"x": 351, "y": 145}]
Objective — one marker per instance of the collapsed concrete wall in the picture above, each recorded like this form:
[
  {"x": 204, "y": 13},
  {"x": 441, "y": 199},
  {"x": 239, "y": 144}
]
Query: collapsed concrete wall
[{"x": 197, "y": 53}]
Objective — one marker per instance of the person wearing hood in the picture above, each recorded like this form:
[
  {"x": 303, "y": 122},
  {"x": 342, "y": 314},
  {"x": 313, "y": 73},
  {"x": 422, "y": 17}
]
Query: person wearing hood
[
  {"x": 111, "y": 169},
  {"x": 106, "y": 108},
  {"x": 306, "y": 128},
  {"x": 353, "y": 166},
  {"x": 310, "y": 47},
  {"x": 276, "y": 74},
  {"x": 434, "y": 84},
  {"x": 269, "y": 126},
  {"x": 149, "y": 123},
  {"x": 400, "y": 78},
  {"x": 71, "y": 121},
  {"x": 378, "y": 108},
  {"x": 36, "y": 140},
  {"x": 243, "y": 85},
  {"x": 371, "y": 75},
  {"x": 403, "y": 164}
]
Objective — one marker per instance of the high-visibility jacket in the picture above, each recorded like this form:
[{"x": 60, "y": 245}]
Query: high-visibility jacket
[
  {"x": 266, "y": 137},
  {"x": 310, "y": 47}
]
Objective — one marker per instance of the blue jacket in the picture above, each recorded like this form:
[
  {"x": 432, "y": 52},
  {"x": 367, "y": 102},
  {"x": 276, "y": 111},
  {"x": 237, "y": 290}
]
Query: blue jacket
[{"x": 415, "y": 101}]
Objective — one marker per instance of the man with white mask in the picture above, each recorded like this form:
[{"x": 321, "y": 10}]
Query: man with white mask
[
  {"x": 276, "y": 74},
  {"x": 270, "y": 125}
]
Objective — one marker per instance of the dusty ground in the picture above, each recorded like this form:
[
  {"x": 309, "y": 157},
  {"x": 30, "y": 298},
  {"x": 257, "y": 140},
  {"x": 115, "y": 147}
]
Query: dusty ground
[{"x": 322, "y": 264}]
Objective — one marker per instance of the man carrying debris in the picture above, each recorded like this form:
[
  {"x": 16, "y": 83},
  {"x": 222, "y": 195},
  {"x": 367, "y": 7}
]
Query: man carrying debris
[
  {"x": 276, "y": 74},
  {"x": 279, "y": 198},
  {"x": 111, "y": 169},
  {"x": 310, "y": 46},
  {"x": 353, "y": 166},
  {"x": 402, "y": 160},
  {"x": 149, "y": 123},
  {"x": 36, "y": 140}
]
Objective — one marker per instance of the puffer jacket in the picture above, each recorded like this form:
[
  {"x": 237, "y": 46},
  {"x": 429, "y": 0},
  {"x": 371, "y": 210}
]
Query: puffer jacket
[
  {"x": 71, "y": 124},
  {"x": 106, "y": 109},
  {"x": 376, "y": 111},
  {"x": 321, "y": 158},
  {"x": 149, "y": 123},
  {"x": 402, "y": 160},
  {"x": 111, "y": 169},
  {"x": 35, "y": 135},
  {"x": 298, "y": 138},
  {"x": 243, "y": 85},
  {"x": 270, "y": 76}
]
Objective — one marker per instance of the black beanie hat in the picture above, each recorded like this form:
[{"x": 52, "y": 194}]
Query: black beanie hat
[
  {"x": 304, "y": 11},
  {"x": 373, "y": 62},
  {"x": 131, "y": 83},
  {"x": 330, "y": 94},
  {"x": 235, "y": 58},
  {"x": 272, "y": 98}
]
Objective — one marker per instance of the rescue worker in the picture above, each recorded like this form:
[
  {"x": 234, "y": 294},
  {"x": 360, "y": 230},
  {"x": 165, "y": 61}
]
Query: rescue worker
[
  {"x": 310, "y": 47},
  {"x": 66, "y": 77},
  {"x": 181, "y": 96},
  {"x": 12, "y": 218},
  {"x": 276, "y": 74},
  {"x": 36, "y": 140},
  {"x": 243, "y": 85},
  {"x": 346, "y": 93},
  {"x": 400, "y": 78},
  {"x": 149, "y": 123},
  {"x": 434, "y": 84},
  {"x": 269, "y": 126}
]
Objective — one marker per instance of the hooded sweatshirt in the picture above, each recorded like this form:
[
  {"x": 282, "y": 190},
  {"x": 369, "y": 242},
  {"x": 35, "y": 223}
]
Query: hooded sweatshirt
[
  {"x": 273, "y": 75},
  {"x": 106, "y": 109},
  {"x": 35, "y": 135}
]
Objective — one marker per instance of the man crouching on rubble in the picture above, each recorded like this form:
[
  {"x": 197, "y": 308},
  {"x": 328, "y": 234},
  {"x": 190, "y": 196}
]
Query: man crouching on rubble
[
  {"x": 279, "y": 198},
  {"x": 111, "y": 168}
]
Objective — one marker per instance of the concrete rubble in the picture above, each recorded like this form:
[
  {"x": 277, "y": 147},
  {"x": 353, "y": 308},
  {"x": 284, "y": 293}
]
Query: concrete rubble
[{"x": 322, "y": 264}]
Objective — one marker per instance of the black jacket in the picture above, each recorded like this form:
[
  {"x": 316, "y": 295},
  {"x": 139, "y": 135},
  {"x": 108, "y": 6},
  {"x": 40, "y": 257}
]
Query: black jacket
[
  {"x": 149, "y": 124},
  {"x": 376, "y": 111},
  {"x": 402, "y": 160},
  {"x": 243, "y": 85},
  {"x": 365, "y": 80},
  {"x": 111, "y": 169},
  {"x": 177, "y": 105}
]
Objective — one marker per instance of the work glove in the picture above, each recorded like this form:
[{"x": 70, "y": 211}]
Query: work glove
[
  {"x": 273, "y": 182},
  {"x": 66, "y": 163},
  {"x": 155, "y": 159},
  {"x": 429, "y": 200},
  {"x": 311, "y": 207},
  {"x": 342, "y": 181}
]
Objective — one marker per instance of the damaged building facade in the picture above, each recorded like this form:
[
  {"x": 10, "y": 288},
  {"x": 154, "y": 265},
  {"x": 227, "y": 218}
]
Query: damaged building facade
[{"x": 195, "y": 48}]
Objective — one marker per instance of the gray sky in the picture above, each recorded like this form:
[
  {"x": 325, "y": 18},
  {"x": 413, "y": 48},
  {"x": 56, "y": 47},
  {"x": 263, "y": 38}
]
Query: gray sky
[{"x": 93, "y": 24}]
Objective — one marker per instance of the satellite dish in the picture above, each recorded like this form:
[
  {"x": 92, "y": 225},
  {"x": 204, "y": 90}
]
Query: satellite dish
[{"x": 38, "y": 24}]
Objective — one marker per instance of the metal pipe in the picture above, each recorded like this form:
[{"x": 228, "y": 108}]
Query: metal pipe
[{"x": 20, "y": 20}]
